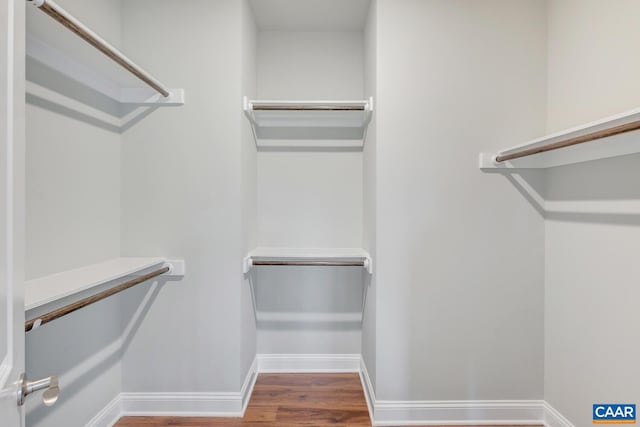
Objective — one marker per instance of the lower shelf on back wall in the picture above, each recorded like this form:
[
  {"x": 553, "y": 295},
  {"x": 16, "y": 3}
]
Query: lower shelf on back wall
[
  {"x": 309, "y": 317},
  {"x": 281, "y": 256}
]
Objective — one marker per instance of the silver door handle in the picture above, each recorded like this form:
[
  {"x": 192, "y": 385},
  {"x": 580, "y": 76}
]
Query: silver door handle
[{"x": 49, "y": 384}]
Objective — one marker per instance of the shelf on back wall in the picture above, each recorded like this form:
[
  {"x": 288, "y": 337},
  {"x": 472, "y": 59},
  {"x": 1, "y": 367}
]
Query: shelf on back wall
[
  {"x": 57, "y": 54},
  {"x": 66, "y": 286},
  {"x": 610, "y": 137},
  {"x": 309, "y": 124},
  {"x": 278, "y": 256}
]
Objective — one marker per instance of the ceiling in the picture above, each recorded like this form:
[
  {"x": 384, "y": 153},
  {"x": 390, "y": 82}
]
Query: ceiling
[{"x": 310, "y": 15}]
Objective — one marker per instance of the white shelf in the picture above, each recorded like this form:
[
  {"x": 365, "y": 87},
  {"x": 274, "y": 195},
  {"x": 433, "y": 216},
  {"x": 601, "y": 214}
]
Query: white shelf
[
  {"x": 59, "y": 286},
  {"x": 301, "y": 317},
  {"x": 309, "y": 124},
  {"x": 61, "y": 51},
  {"x": 612, "y": 146},
  {"x": 308, "y": 254}
]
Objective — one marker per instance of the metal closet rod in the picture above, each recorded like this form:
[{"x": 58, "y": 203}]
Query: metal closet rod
[
  {"x": 312, "y": 263},
  {"x": 62, "y": 16},
  {"x": 604, "y": 133},
  {"x": 70, "y": 308},
  {"x": 306, "y": 107}
]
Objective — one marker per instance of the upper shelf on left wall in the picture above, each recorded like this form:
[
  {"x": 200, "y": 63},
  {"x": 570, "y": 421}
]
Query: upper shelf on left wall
[{"x": 67, "y": 47}]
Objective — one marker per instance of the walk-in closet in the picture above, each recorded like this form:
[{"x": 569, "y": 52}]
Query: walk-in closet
[{"x": 319, "y": 213}]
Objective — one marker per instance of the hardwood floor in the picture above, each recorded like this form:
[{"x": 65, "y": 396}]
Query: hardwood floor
[{"x": 279, "y": 400}]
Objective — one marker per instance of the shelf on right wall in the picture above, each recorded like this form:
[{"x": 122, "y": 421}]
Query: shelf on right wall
[{"x": 610, "y": 137}]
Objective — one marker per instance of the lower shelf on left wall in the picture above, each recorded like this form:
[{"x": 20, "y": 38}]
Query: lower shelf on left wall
[{"x": 71, "y": 284}]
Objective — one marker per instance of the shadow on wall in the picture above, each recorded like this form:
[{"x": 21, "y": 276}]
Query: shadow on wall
[
  {"x": 82, "y": 347},
  {"x": 602, "y": 191},
  {"x": 45, "y": 89},
  {"x": 528, "y": 184},
  {"x": 308, "y": 298}
]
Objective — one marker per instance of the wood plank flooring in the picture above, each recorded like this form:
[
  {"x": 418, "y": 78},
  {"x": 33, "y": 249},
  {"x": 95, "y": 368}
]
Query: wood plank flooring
[{"x": 289, "y": 400}]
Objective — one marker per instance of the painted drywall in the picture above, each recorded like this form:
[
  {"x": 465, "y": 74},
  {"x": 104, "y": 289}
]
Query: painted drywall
[
  {"x": 310, "y": 15},
  {"x": 309, "y": 198},
  {"x": 182, "y": 196},
  {"x": 310, "y": 65},
  {"x": 593, "y": 229},
  {"x": 369, "y": 194},
  {"x": 460, "y": 262},
  {"x": 70, "y": 161},
  {"x": 72, "y": 219},
  {"x": 313, "y": 310}
]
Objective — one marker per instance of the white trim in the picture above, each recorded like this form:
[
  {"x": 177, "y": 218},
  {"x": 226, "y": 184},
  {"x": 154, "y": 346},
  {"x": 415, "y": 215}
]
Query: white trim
[
  {"x": 249, "y": 382},
  {"x": 553, "y": 418},
  {"x": 381, "y": 412},
  {"x": 232, "y": 404},
  {"x": 367, "y": 387},
  {"x": 450, "y": 412},
  {"x": 6, "y": 368},
  {"x": 109, "y": 415},
  {"x": 290, "y": 363},
  {"x": 8, "y": 204},
  {"x": 182, "y": 404},
  {"x": 465, "y": 412}
]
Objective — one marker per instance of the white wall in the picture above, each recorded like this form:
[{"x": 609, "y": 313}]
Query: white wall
[
  {"x": 183, "y": 196},
  {"x": 71, "y": 161},
  {"x": 183, "y": 186},
  {"x": 591, "y": 264},
  {"x": 460, "y": 257},
  {"x": 310, "y": 65},
  {"x": 309, "y": 198},
  {"x": 72, "y": 219}
]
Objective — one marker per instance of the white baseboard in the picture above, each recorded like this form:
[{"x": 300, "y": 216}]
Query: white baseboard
[
  {"x": 182, "y": 404},
  {"x": 247, "y": 387},
  {"x": 466, "y": 412},
  {"x": 109, "y": 415},
  {"x": 367, "y": 387},
  {"x": 382, "y": 413},
  {"x": 553, "y": 418},
  {"x": 292, "y": 363},
  {"x": 178, "y": 404}
]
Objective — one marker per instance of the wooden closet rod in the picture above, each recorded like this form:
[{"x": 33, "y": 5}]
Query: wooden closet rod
[
  {"x": 62, "y": 16},
  {"x": 70, "y": 308},
  {"x": 312, "y": 263},
  {"x": 604, "y": 133}
]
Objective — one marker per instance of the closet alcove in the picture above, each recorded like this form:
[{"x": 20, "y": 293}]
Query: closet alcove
[{"x": 309, "y": 116}]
